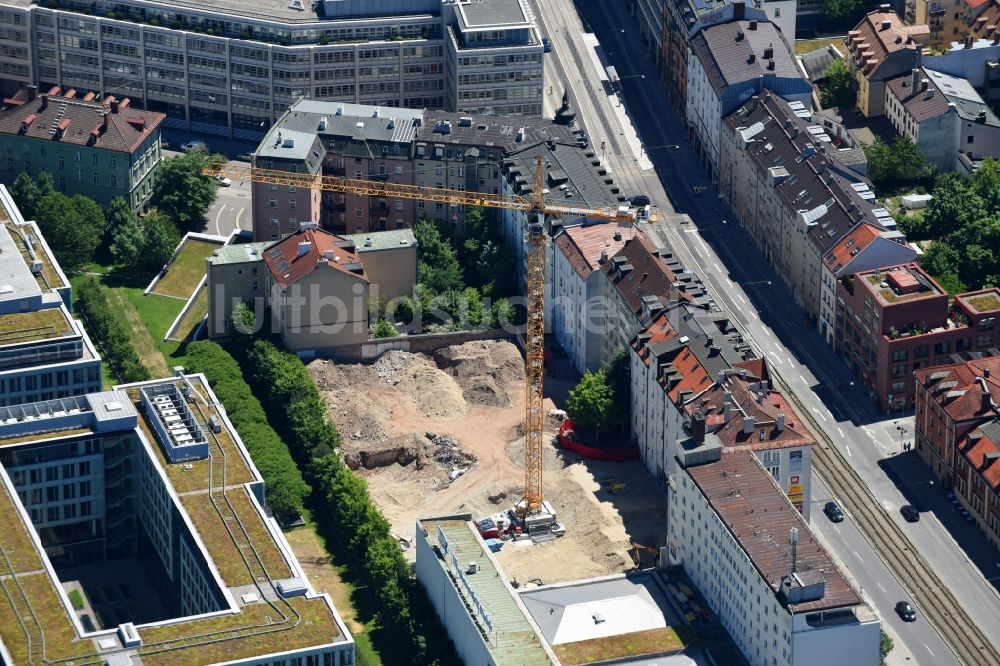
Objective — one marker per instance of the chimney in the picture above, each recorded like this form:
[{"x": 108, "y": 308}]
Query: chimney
[
  {"x": 328, "y": 255},
  {"x": 748, "y": 425},
  {"x": 752, "y": 25},
  {"x": 793, "y": 538},
  {"x": 739, "y": 34},
  {"x": 727, "y": 407},
  {"x": 604, "y": 251},
  {"x": 985, "y": 399},
  {"x": 923, "y": 84},
  {"x": 739, "y": 10},
  {"x": 44, "y": 103},
  {"x": 769, "y": 52},
  {"x": 304, "y": 247},
  {"x": 914, "y": 80},
  {"x": 698, "y": 427},
  {"x": 986, "y": 373},
  {"x": 886, "y": 24},
  {"x": 32, "y": 92},
  {"x": 779, "y": 424},
  {"x": 617, "y": 236},
  {"x": 114, "y": 105}
]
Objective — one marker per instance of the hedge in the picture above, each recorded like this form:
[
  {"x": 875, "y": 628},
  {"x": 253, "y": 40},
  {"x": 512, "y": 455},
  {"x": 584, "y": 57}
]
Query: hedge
[
  {"x": 285, "y": 489},
  {"x": 109, "y": 332},
  {"x": 283, "y": 381}
]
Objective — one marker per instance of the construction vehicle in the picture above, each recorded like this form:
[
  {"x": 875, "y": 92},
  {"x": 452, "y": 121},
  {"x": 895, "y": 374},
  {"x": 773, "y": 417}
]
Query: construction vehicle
[
  {"x": 637, "y": 550},
  {"x": 532, "y": 509}
]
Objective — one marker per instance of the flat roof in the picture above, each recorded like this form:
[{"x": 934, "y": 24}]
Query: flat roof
[
  {"x": 242, "y": 253},
  {"x": 898, "y": 280},
  {"x": 382, "y": 240},
  {"x": 509, "y": 636},
  {"x": 493, "y": 14},
  {"x": 759, "y": 516},
  {"x": 27, "y": 240},
  {"x": 245, "y": 631},
  {"x": 38, "y": 325},
  {"x": 16, "y": 280}
]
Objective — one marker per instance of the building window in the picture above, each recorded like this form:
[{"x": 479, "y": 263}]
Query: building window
[
  {"x": 291, "y": 205},
  {"x": 62, "y": 162},
  {"x": 272, "y": 203},
  {"x": 113, "y": 181},
  {"x": 942, "y": 348},
  {"x": 358, "y": 212},
  {"x": 95, "y": 160},
  {"x": 52, "y": 514},
  {"x": 97, "y": 179},
  {"x": 274, "y": 222},
  {"x": 984, "y": 339},
  {"x": 969, "y": 139},
  {"x": 256, "y": 285},
  {"x": 84, "y": 508},
  {"x": 898, "y": 387},
  {"x": 899, "y": 355}
]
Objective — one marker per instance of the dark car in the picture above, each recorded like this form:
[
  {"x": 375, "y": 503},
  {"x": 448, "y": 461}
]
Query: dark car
[
  {"x": 639, "y": 200},
  {"x": 546, "y": 44},
  {"x": 910, "y": 513},
  {"x": 905, "y": 611},
  {"x": 833, "y": 512}
]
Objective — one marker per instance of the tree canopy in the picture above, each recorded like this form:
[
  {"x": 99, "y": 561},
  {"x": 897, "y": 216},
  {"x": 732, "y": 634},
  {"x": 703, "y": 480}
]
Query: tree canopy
[
  {"x": 28, "y": 192},
  {"x": 182, "y": 192},
  {"x": 488, "y": 266},
  {"x": 438, "y": 267},
  {"x": 963, "y": 223},
  {"x": 891, "y": 166},
  {"x": 842, "y": 8},
  {"x": 590, "y": 402},
  {"x": 838, "y": 90},
  {"x": 72, "y": 226}
]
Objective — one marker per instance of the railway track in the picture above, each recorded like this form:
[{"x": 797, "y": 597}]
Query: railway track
[{"x": 938, "y": 604}]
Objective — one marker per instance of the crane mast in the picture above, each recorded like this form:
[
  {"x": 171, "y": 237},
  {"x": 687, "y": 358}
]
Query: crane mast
[{"x": 536, "y": 209}]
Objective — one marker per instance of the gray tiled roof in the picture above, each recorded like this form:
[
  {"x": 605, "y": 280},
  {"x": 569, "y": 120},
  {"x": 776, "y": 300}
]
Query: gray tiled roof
[
  {"x": 700, "y": 331},
  {"x": 492, "y": 13},
  {"x": 816, "y": 62},
  {"x": 586, "y": 186},
  {"x": 732, "y": 53}
]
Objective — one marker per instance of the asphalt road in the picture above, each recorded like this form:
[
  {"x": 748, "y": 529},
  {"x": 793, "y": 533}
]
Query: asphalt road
[
  {"x": 744, "y": 284},
  {"x": 231, "y": 209}
]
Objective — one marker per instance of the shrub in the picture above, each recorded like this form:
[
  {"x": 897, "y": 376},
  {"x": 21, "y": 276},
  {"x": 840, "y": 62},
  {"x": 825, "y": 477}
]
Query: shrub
[
  {"x": 285, "y": 489},
  {"x": 109, "y": 332}
]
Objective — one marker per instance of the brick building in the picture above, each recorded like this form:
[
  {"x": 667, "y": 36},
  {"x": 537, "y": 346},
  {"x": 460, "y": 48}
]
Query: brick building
[
  {"x": 893, "y": 321},
  {"x": 958, "y": 433}
]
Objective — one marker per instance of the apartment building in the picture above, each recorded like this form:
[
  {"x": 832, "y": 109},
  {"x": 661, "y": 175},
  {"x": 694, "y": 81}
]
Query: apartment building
[
  {"x": 982, "y": 18},
  {"x": 683, "y": 19},
  {"x": 494, "y": 57},
  {"x": 865, "y": 247},
  {"x": 94, "y": 501},
  {"x": 436, "y": 149},
  {"x": 367, "y": 268},
  {"x": 774, "y": 587},
  {"x": 729, "y": 63},
  {"x": 100, "y": 150},
  {"x": 969, "y": 58},
  {"x": 580, "y": 317},
  {"x": 640, "y": 281},
  {"x": 944, "y": 19},
  {"x": 45, "y": 353},
  {"x": 879, "y": 48},
  {"x": 232, "y": 69},
  {"x": 673, "y": 360},
  {"x": 958, "y": 432},
  {"x": 894, "y": 320},
  {"x": 785, "y": 184}
]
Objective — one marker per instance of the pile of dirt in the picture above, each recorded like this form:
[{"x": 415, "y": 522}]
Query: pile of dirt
[
  {"x": 435, "y": 394},
  {"x": 483, "y": 368},
  {"x": 402, "y": 450},
  {"x": 357, "y": 416}
]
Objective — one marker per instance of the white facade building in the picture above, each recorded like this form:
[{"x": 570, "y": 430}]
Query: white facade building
[{"x": 731, "y": 528}]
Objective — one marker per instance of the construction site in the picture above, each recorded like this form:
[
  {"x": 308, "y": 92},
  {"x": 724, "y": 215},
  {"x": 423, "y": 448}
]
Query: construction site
[{"x": 444, "y": 433}]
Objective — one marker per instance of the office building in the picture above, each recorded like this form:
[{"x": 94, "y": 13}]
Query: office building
[
  {"x": 45, "y": 353},
  {"x": 127, "y": 548},
  {"x": 232, "y": 68},
  {"x": 100, "y": 150}
]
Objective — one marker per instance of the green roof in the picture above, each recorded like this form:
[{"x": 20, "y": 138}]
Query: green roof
[
  {"x": 509, "y": 636},
  {"x": 19, "y": 327}
]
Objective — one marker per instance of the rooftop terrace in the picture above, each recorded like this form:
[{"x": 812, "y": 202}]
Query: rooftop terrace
[
  {"x": 897, "y": 285},
  {"x": 982, "y": 301},
  {"x": 217, "y": 494}
]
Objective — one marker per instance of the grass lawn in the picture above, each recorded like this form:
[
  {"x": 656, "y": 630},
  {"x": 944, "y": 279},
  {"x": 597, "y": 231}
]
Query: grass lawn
[
  {"x": 193, "y": 316},
  {"x": 186, "y": 270},
  {"x": 650, "y": 642},
  {"x": 803, "y": 46}
]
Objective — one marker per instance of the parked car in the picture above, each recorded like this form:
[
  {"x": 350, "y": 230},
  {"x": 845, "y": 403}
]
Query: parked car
[
  {"x": 195, "y": 146},
  {"x": 910, "y": 513},
  {"x": 223, "y": 181},
  {"x": 905, "y": 611},
  {"x": 639, "y": 200},
  {"x": 164, "y": 144},
  {"x": 245, "y": 157},
  {"x": 833, "y": 512},
  {"x": 488, "y": 529},
  {"x": 546, "y": 44}
]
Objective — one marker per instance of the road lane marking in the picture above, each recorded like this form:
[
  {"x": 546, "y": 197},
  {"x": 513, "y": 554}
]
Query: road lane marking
[
  {"x": 858, "y": 556},
  {"x": 218, "y": 216},
  {"x": 718, "y": 269},
  {"x": 880, "y": 586},
  {"x": 239, "y": 215},
  {"x": 848, "y": 449},
  {"x": 928, "y": 649},
  {"x": 802, "y": 379},
  {"x": 841, "y": 431}
]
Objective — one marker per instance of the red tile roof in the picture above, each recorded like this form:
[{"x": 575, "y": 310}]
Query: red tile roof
[
  {"x": 583, "y": 244},
  {"x": 852, "y": 244},
  {"x": 955, "y": 387},
  {"x": 80, "y": 122},
  {"x": 975, "y": 4},
  {"x": 870, "y": 43},
  {"x": 649, "y": 276},
  {"x": 759, "y": 516},
  {"x": 288, "y": 266},
  {"x": 975, "y": 447},
  {"x": 695, "y": 377}
]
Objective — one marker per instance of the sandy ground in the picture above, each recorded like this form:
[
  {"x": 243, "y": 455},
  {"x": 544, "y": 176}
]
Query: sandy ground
[{"x": 380, "y": 407}]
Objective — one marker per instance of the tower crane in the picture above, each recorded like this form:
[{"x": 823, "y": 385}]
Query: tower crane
[{"x": 535, "y": 208}]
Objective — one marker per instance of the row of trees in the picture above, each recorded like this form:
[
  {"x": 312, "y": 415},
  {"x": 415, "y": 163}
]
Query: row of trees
[
  {"x": 963, "y": 223},
  {"x": 299, "y": 412},
  {"x": 286, "y": 489},
  {"x": 109, "y": 331},
  {"x": 79, "y": 231}
]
